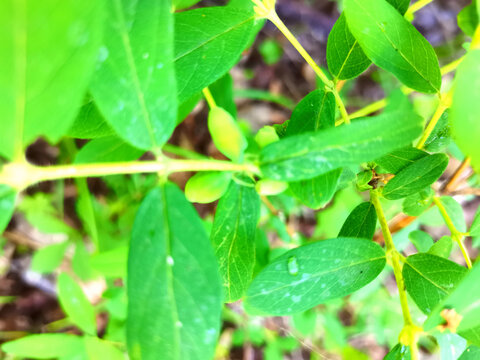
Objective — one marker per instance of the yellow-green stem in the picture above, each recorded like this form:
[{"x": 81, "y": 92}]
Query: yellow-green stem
[
  {"x": 209, "y": 98},
  {"x": 410, "y": 329},
  {"x": 329, "y": 84},
  {"x": 457, "y": 236},
  {"x": 431, "y": 125},
  {"x": 416, "y": 6}
]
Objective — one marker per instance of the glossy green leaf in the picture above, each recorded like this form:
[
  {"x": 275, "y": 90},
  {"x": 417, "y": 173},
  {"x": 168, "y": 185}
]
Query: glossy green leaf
[
  {"x": 107, "y": 149},
  {"x": 222, "y": 92},
  {"x": 207, "y": 187},
  {"x": 208, "y": 42},
  {"x": 90, "y": 123},
  {"x": 314, "y": 273},
  {"x": 443, "y": 247},
  {"x": 451, "y": 345},
  {"x": 470, "y": 353},
  {"x": 422, "y": 241},
  {"x": 475, "y": 227},
  {"x": 393, "y": 44},
  {"x": 48, "y": 66},
  {"x": 399, "y": 352},
  {"x": 315, "y": 112},
  {"x": 306, "y": 156},
  {"x": 45, "y": 346},
  {"x": 400, "y": 159},
  {"x": 465, "y": 110},
  {"x": 455, "y": 212},
  {"x": 76, "y": 305},
  {"x": 226, "y": 133},
  {"x": 134, "y": 83},
  {"x": 233, "y": 237},
  {"x": 429, "y": 279},
  {"x": 467, "y": 19},
  {"x": 174, "y": 306},
  {"x": 416, "y": 177},
  {"x": 98, "y": 349},
  {"x": 7, "y": 205},
  {"x": 464, "y": 301},
  {"x": 361, "y": 222},
  {"x": 417, "y": 203},
  {"x": 48, "y": 258},
  {"x": 441, "y": 136}
]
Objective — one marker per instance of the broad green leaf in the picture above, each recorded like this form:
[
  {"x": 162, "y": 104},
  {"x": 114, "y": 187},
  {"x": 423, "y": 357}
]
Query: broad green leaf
[
  {"x": 173, "y": 286},
  {"x": 107, "y": 149},
  {"x": 89, "y": 123},
  {"x": 306, "y": 156},
  {"x": 361, "y": 222},
  {"x": 429, "y": 279},
  {"x": 417, "y": 203},
  {"x": 134, "y": 83},
  {"x": 399, "y": 352},
  {"x": 206, "y": 187},
  {"x": 470, "y": 353},
  {"x": 45, "y": 346},
  {"x": 455, "y": 212},
  {"x": 222, "y": 92},
  {"x": 399, "y": 159},
  {"x": 233, "y": 237},
  {"x": 76, "y": 305},
  {"x": 393, "y": 44},
  {"x": 422, "y": 241},
  {"x": 48, "y": 66},
  {"x": 416, "y": 177},
  {"x": 475, "y": 227},
  {"x": 112, "y": 263},
  {"x": 7, "y": 205},
  {"x": 443, "y": 247},
  {"x": 186, "y": 107},
  {"x": 208, "y": 42},
  {"x": 467, "y": 19},
  {"x": 98, "y": 349},
  {"x": 48, "y": 258},
  {"x": 315, "y": 112},
  {"x": 465, "y": 110},
  {"x": 314, "y": 273},
  {"x": 451, "y": 345},
  {"x": 441, "y": 135}
]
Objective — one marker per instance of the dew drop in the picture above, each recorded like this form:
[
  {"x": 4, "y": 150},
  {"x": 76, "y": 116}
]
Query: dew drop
[
  {"x": 146, "y": 55},
  {"x": 159, "y": 65},
  {"x": 178, "y": 324},
  {"x": 292, "y": 265},
  {"x": 102, "y": 54},
  {"x": 170, "y": 260},
  {"x": 296, "y": 298}
]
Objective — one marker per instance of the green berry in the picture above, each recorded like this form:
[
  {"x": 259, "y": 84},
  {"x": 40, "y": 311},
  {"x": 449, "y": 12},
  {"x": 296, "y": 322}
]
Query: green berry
[
  {"x": 270, "y": 187},
  {"x": 266, "y": 135},
  {"x": 207, "y": 187},
  {"x": 226, "y": 133}
]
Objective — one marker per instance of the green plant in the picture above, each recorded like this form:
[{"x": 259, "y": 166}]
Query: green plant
[{"x": 124, "y": 74}]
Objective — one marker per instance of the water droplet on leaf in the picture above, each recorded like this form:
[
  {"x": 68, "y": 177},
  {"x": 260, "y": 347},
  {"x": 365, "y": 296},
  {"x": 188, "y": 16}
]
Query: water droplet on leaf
[{"x": 292, "y": 265}]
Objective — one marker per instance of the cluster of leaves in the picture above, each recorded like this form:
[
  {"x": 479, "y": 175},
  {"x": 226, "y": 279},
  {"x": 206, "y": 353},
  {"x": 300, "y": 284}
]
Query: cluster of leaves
[{"x": 123, "y": 74}]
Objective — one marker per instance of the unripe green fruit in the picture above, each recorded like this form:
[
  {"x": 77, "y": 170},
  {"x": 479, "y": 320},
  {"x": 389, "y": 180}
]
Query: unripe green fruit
[
  {"x": 226, "y": 133},
  {"x": 270, "y": 187},
  {"x": 266, "y": 135},
  {"x": 206, "y": 187}
]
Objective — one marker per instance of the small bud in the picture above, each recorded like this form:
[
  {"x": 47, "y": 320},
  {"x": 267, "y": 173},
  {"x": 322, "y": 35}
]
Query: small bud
[
  {"x": 207, "y": 187},
  {"x": 226, "y": 133},
  {"x": 270, "y": 187},
  {"x": 266, "y": 135}
]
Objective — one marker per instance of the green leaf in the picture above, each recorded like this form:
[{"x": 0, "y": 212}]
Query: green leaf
[
  {"x": 314, "y": 273},
  {"x": 429, "y": 279},
  {"x": 471, "y": 353},
  {"x": 393, "y": 44},
  {"x": 207, "y": 187},
  {"x": 107, "y": 149},
  {"x": 45, "y": 346},
  {"x": 7, "y": 205},
  {"x": 441, "y": 135},
  {"x": 48, "y": 258},
  {"x": 174, "y": 290},
  {"x": 315, "y": 112},
  {"x": 455, "y": 212},
  {"x": 416, "y": 177},
  {"x": 306, "y": 156},
  {"x": 400, "y": 159},
  {"x": 183, "y": 4},
  {"x": 76, "y": 305},
  {"x": 399, "y": 352},
  {"x": 89, "y": 123},
  {"x": 417, "y": 203},
  {"x": 233, "y": 237},
  {"x": 361, "y": 222},
  {"x": 467, "y": 19},
  {"x": 345, "y": 57},
  {"x": 136, "y": 60},
  {"x": 465, "y": 110},
  {"x": 112, "y": 263},
  {"x": 475, "y": 227},
  {"x": 222, "y": 92},
  {"x": 208, "y": 42},
  {"x": 98, "y": 349},
  {"x": 422, "y": 241},
  {"x": 48, "y": 67},
  {"x": 443, "y": 247}
]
